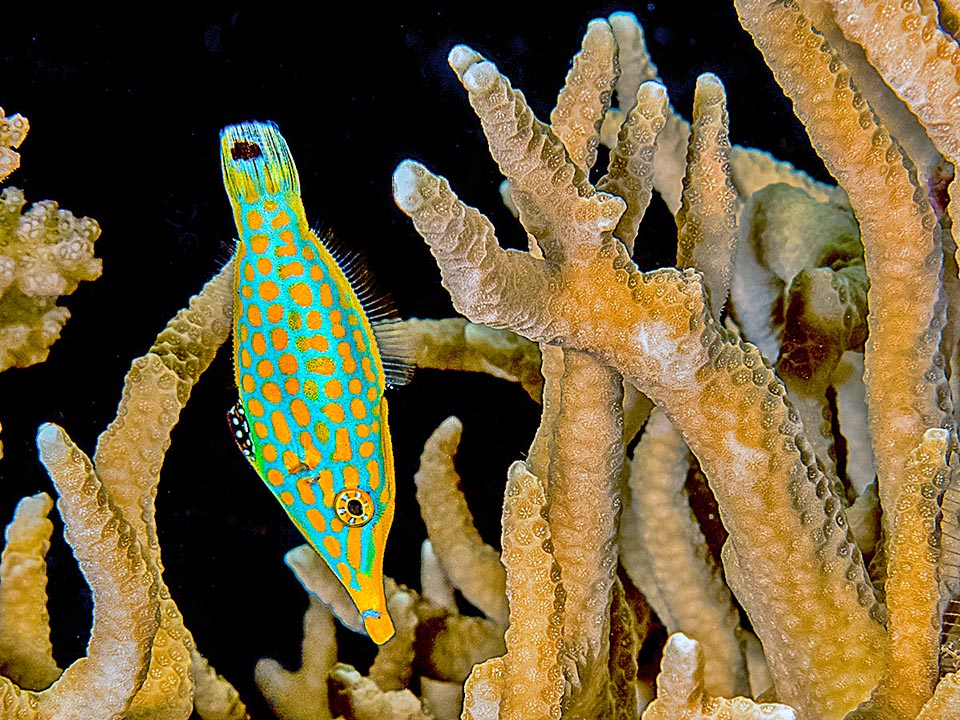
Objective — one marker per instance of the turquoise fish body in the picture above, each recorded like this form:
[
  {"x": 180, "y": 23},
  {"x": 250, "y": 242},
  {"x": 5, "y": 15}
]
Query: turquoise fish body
[{"x": 311, "y": 417}]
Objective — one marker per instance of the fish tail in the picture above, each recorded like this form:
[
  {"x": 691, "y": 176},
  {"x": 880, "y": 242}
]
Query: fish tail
[{"x": 256, "y": 163}]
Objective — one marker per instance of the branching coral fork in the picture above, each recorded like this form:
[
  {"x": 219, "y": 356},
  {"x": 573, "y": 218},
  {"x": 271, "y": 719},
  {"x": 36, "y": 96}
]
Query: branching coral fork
[{"x": 655, "y": 329}]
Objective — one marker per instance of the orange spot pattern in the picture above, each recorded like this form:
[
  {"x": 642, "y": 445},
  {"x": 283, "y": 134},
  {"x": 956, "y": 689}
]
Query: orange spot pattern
[
  {"x": 351, "y": 477},
  {"x": 353, "y": 546},
  {"x": 301, "y": 294},
  {"x": 316, "y": 520},
  {"x": 291, "y": 269},
  {"x": 271, "y": 391},
  {"x": 335, "y": 413},
  {"x": 289, "y": 246},
  {"x": 307, "y": 422},
  {"x": 342, "y": 451},
  {"x": 301, "y": 413},
  {"x": 306, "y": 491},
  {"x": 325, "y": 481},
  {"x": 323, "y": 366},
  {"x": 332, "y": 546},
  {"x": 358, "y": 409},
  {"x": 264, "y": 368},
  {"x": 280, "y": 428},
  {"x": 259, "y": 243},
  {"x": 280, "y": 220},
  {"x": 326, "y": 295},
  {"x": 333, "y": 389},
  {"x": 288, "y": 363},
  {"x": 268, "y": 290}
]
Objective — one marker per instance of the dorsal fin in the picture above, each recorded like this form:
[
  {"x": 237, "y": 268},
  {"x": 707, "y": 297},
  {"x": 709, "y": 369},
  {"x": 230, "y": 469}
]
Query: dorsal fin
[{"x": 394, "y": 342}]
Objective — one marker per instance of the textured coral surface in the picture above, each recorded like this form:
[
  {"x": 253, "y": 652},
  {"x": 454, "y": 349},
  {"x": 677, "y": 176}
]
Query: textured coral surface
[{"x": 124, "y": 130}]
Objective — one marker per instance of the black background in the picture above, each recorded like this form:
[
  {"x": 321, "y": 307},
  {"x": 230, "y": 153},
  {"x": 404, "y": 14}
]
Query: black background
[{"x": 125, "y": 111}]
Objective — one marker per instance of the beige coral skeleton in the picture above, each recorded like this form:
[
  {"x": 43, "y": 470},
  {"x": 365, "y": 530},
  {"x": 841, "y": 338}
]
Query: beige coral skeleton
[
  {"x": 830, "y": 641},
  {"x": 850, "y": 588}
]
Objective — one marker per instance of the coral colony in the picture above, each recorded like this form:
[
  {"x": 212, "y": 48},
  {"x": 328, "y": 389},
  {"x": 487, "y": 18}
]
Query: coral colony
[{"x": 798, "y": 362}]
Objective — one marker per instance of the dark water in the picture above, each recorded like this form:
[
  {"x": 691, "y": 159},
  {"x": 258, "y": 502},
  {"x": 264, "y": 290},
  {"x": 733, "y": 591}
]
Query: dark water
[{"x": 125, "y": 112}]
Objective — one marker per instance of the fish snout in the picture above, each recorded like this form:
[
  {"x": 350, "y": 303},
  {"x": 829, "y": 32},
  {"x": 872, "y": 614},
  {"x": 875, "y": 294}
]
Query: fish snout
[{"x": 378, "y": 625}]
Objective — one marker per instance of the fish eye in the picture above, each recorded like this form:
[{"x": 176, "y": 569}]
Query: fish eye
[
  {"x": 354, "y": 507},
  {"x": 244, "y": 150}
]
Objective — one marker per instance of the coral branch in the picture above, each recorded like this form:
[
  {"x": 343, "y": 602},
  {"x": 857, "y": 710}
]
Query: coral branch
[
  {"x": 550, "y": 191},
  {"x": 680, "y": 691},
  {"x": 46, "y": 252},
  {"x": 679, "y": 577},
  {"x": 473, "y": 566},
  {"x": 302, "y": 694},
  {"x": 583, "y": 486},
  {"x": 654, "y": 328},
  {"x": 457, "y": 344},
  {"x": 26, "y": 655},
  {"x": 585, "y": 96},
  {"x": 13, "y": 130},
  {"x": 906, "y": 389},
  {"x": 630, "y": 171},
  {"x": 707, "y": 218},
  {"x": 123, "y": 582},
  {"x": 214, "y": 698},
  {"x": 363, "y": 700},
  {"x": 527, "y": 682},
  {"x": 474, "y": 274},
  {"x": 912, "y": 587},
  {"x": 945, "y": 702}
]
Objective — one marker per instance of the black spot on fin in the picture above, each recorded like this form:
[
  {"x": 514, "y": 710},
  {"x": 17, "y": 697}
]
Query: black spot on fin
[
  {"x": 244, "y": 150},
  {"x": 393, "y": 340},
  {"x": 237, "y": 420}
]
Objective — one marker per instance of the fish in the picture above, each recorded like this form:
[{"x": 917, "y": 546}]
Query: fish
[{"x": 314, "y": 348}]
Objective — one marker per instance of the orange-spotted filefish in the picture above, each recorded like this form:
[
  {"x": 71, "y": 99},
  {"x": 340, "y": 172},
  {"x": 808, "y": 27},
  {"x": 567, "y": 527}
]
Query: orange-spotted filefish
[{"x": 311, "y": 364}]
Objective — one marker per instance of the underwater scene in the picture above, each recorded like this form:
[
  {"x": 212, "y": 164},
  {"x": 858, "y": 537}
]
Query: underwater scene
[{"x": 663, "y": 302}]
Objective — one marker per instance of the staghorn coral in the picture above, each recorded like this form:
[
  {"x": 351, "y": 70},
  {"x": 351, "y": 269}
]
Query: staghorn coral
[
  {"x": 13, "y": 130},
  {"x": 141, "y": 660},
  {"x": 656, "y": 330},
  {"x": 866, "y": 645},
  {"x": 790, "y": 559},
  {"x": 680, "y": 691},
  {"x": 45, "y": 253}
]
